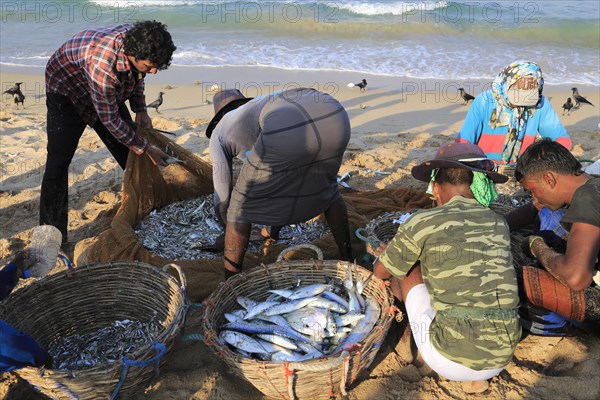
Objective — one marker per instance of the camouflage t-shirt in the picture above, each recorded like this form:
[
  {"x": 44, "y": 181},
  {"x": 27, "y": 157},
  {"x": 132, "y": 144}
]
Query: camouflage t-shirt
[{"x": 464, "y": 251}]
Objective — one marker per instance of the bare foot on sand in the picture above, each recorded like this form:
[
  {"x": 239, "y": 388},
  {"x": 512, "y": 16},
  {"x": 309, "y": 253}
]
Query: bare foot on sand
[{"x": 475, "y": 386}]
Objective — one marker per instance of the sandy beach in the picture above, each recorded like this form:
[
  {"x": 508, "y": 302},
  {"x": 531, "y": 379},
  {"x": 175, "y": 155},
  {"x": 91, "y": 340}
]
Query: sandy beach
[{"x": 396, "y": 124}]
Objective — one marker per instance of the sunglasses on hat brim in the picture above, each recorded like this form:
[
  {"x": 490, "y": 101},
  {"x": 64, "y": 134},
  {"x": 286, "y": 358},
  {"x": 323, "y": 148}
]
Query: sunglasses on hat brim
[{"x": 484, "y": 164}]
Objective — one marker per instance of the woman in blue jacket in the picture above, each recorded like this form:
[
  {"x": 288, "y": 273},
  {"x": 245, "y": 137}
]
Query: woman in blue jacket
[{"x": 506, "y": 119}]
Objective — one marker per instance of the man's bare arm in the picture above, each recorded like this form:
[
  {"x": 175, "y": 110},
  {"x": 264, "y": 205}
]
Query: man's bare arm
[
  {"x": 380, "y": 271},
  {"x": 576, "y": 267}
]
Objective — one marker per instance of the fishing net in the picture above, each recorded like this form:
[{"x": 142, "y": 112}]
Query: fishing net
[{"x": 147, "y": 188}]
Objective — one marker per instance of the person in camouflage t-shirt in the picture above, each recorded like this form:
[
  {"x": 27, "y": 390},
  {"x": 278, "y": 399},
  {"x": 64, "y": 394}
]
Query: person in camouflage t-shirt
[{"x": 455, "y": 269}]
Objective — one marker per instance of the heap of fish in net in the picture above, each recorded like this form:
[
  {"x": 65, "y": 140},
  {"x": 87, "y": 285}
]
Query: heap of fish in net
[
  {"x": 102, "y": 347},
  {"x": 185, "y": 230},
  {"x": 513, "y": 201},
  {"x": 304, "y": 322}
]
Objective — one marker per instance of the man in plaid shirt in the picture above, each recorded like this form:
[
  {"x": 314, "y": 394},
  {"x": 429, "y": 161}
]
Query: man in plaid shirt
[{"x": 88, "y": 80}]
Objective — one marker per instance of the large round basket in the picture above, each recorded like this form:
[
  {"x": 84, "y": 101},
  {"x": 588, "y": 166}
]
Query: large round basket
[
  {"x": 315, "y": 379},
  {"x": 87, "y": 298}
]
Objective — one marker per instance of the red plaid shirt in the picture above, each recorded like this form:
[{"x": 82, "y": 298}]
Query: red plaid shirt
[{"x": 92, "y": 70}]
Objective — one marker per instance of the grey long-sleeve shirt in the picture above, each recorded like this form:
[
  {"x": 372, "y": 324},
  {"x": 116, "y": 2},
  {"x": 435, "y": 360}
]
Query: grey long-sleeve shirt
[
  {"x": 233, "y": 137},
  {"x": 292, "y": 143}
]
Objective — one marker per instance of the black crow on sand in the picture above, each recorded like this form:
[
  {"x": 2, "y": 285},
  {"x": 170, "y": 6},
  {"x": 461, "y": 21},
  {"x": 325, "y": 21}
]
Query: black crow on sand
[
  {"x": 567, "y": 107},
  {"x": 579, "y": 98},
  {"x": 362, "y": 85},
  {"x": 16, "y": 88},
  {"x": 156, "y": 103},
  {"x": 465, "y": 96}
]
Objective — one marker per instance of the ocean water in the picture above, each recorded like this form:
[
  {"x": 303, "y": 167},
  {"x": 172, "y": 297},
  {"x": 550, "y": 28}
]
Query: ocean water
[{"x": 458, "y": 40}]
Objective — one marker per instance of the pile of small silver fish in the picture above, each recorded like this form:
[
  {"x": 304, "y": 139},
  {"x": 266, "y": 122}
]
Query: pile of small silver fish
[
  {"x": 185, "y": 230},
  {"x": 513, "y": 201},
  {"x": 304, "y": 232},
  {"x": 180, "y": 230},
  {"x": 304, "y": 322},
  {"x": 102, "y": 347}
]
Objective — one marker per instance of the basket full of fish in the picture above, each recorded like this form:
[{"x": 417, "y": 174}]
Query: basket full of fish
[
  {"x": 107, "y": 327},
  {"x": 299, "y": 329}
]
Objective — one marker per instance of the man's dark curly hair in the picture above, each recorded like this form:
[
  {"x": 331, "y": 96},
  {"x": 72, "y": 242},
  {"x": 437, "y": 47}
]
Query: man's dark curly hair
[
  {"x": 546, "y": 155},
  {"x": 454, "y": 176},
  {"x": 149, "y": 40}
]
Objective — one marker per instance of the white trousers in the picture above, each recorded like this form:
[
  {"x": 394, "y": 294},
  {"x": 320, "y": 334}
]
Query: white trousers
[{"x": 420, "y": 314}]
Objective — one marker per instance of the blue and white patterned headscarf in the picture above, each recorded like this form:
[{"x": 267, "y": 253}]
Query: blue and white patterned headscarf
[{"x": 518, "y": 115}]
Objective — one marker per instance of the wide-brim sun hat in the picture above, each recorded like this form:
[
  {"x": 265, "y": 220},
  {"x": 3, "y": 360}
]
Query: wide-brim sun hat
[
  {"x": 223, "y": 102},
  {"x": 459, "y": 155}
]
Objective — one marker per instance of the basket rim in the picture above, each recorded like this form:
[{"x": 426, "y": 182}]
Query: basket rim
[
  {"x": 378, "y": 223},
  {"x": 89, "y": 268}
]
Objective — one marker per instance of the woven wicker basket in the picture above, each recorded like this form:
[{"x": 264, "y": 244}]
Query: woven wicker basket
[
  {"x": 381, "y": 229},
  {"x": 315, "y": 379},
  {"x": 87, "y": 298}
]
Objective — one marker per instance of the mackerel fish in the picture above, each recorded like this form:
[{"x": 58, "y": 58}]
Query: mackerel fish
[{"x": 304, "y": 322}]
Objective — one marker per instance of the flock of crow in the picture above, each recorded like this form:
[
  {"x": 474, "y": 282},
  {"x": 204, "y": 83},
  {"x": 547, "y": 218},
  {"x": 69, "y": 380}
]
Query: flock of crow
[
  {"x": 566, "y": 107},
  {"x": 467, "y": 97},
  {"x": 159, "y": 100},
  {"x": 578, "y": 100},
  {"x": 19, "y": 97}
]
